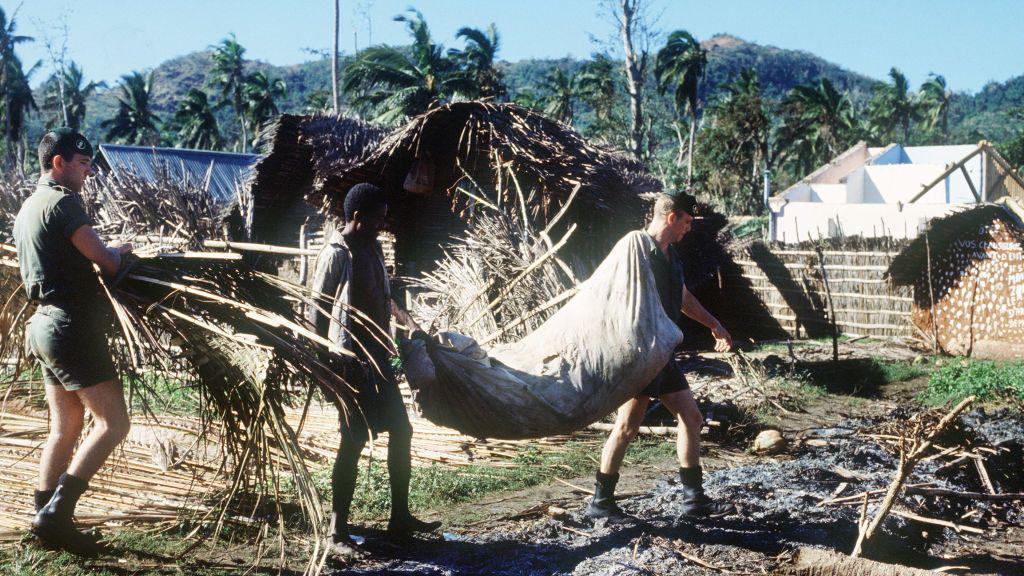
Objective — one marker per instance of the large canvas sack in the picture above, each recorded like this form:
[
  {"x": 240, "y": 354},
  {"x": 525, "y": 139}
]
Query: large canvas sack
[{"x": 604, "y": 346}]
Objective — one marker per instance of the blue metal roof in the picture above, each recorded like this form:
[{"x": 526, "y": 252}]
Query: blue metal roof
[{"x": 226, "y": 170}]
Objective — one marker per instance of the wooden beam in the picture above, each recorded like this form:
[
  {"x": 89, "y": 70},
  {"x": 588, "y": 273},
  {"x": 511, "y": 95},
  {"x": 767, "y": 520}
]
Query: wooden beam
[
  {"x": 952, "y": 168},
  {"x": 977, "y": 197},
  {"x": 1003, "y": 163}
]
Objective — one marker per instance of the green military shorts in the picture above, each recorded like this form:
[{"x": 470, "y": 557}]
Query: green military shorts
[{"x": 71, "y": 347}]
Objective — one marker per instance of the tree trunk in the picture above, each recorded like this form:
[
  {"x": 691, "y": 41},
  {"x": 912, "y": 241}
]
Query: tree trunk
[
  {"x": 635, "y": 65},
  {"x": 682, "y": 142},
  {"x": 334, "y": 56},
  {"x": 693, "y": 132},
  {"x": 241, "y": 122}
]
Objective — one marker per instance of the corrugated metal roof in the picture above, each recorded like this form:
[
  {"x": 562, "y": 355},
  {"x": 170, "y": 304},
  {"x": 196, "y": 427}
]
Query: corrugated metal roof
[{"x": 228, "y": 171}]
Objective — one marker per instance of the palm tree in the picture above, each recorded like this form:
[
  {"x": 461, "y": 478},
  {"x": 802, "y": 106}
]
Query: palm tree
[
  {"x": 135, "y": 122},
  {"x": 229, "y": 75},
  {"x": 935, "y": 99},
  {"x": 559, "y": 90},
  {"x": 596, "y": 84},
  {"x": 194, "y": 123},
  {"x": 479, "y": 58},
  {"x": 894, "y": 106},
  {"x": 261, "y": 96},
  {"x": 681, "y": 65},
  {"x": 395, "y": 84},
  {"x": 12, "y": 82},
  {"x": 817, "y": 121},
  {"x": 75, "y": 95}
]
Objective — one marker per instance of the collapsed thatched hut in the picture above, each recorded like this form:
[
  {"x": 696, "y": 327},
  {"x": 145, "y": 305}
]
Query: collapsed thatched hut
[
  {"x": 967, "y": 273},
  {"x": 458, "y": 158}
]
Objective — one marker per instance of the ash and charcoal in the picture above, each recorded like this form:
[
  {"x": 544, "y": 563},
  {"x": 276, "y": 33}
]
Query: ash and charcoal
[{"x": 780, "y": 510}]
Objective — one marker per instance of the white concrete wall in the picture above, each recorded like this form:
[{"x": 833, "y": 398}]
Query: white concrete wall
[
  {"x": 892, "y": 183},
  {"x": 828, "y": 193},
  {"x": 801, "y": 221}
]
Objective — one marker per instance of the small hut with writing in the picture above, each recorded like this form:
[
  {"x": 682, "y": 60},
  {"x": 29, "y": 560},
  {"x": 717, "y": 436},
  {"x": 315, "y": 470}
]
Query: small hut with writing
[{"x": 967, "y": 273}]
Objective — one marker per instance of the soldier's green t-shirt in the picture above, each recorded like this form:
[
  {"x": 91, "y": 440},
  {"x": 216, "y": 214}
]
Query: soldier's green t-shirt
[{"x": 52, "y": 269}]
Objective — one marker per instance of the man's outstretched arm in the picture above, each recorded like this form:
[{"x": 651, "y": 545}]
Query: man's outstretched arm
[{"x": 694, "y": 309}]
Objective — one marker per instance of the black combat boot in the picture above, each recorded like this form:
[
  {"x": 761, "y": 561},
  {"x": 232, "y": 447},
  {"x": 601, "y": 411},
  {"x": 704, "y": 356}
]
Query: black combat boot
[
  {"x": 603, "y": 505},
  {"x": 42, "y": 498},
  {"x": 54, "y": 524},
  {"x": 696, "y": 503}
]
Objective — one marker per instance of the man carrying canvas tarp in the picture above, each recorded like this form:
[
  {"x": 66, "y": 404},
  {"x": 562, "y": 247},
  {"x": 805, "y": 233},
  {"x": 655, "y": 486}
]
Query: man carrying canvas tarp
[
  {"x": 673, "y": 215},
  {"x": 57, "y": 247},
  {"x": 353, "y": 285}
]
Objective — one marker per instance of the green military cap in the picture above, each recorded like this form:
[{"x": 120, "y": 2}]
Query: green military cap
[{"x": 70, "y": 142}]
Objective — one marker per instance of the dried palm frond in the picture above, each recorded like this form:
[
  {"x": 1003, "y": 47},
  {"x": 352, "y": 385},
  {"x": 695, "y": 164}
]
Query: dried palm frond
[
  {"x": 496, "y": 284},
  {"x": 208, "y": 322}
]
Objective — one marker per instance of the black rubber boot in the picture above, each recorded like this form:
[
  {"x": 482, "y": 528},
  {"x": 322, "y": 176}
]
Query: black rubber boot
[
  {"x": 54, "y": 523},
  {"x": 603, "y": 505},
  {"x": 696, "y": 503},
  {"x": 42, "y": 498}
]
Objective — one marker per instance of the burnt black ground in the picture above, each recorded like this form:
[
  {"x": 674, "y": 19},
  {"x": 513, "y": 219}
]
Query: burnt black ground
[{"x": 778, "y": 499}]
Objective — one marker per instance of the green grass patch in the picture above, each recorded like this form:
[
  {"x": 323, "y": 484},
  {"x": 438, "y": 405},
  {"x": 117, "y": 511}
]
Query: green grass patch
[
  {"x": 902, "y": 371},
  {"x": 435, "y": 486},
  {"x": 163, "y": 395},
  {"x": 987, "y": 380}
]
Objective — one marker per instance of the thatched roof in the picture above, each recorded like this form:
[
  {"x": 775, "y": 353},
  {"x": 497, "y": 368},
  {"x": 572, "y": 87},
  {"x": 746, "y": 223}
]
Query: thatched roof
[
  {"x": 295, "y": 148},
  {"x": 941, "y": 235},
  {"x": 469, "y": 141}
]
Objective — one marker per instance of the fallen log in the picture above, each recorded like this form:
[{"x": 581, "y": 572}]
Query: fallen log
[{"x": 815, "y": 562}]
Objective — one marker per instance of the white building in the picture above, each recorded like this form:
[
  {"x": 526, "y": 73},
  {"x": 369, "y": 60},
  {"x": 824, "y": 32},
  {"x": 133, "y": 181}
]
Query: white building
[{"x": 892, "y": 191}]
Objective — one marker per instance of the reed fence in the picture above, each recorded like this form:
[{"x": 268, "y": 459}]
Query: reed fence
[{"x": 795, "y": 286}]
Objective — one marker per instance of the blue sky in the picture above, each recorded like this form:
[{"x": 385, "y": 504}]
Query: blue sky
[{"x": 969, "y": 42}]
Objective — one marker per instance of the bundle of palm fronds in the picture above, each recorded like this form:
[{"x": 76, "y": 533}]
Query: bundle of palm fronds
[
  {"x": 126, "y": 205},
  {"x": 205, "y": 321},
  {"x": 497, "y": 283}
]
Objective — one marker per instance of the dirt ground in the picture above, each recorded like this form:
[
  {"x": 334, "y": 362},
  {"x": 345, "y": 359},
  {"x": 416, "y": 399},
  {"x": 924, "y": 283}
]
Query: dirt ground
[
  {"x": 515, "y": 533},
  {"x": 541, "y": 530}
]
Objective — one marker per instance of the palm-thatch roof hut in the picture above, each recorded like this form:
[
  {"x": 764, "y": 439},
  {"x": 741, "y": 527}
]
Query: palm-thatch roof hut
[
  {"x": 295, "y": 151},
  {"x": 450, "y": 161},
  {"x": 967, "y": 271}
]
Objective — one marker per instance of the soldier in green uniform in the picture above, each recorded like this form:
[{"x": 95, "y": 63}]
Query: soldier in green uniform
[{"x": 57, "y": 248}]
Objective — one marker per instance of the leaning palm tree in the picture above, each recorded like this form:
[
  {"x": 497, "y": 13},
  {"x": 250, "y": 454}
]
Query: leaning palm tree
[
  {"x": 935, "y": 99},
  {"x": 817, "y": 120},
  {"x": 76, "y": 93},
  {"x": 893, "y": 106},
  {"x": 229, "y": 75},
  {"x": 261, "y": 96},
  {"x": 194, "y": 124},
  {"x": 680, "y": 65},
  {"x": 135, "y": 122},
  {"x": 479, "y": 58},
  {"x": 395, "y": 84},
  {"x": 559, "y": 91}
]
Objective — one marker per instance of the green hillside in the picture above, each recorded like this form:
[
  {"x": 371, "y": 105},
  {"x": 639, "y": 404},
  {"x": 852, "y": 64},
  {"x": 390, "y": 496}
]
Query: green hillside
[{"x": 988, "y": 114}]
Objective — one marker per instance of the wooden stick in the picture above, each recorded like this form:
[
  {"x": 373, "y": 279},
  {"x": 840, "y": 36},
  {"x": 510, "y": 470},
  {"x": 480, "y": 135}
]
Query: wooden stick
[
  {"x": 907, "y": 463},
  {"x": 1005, "y": 497},
  {"x": 947, "y": 524}
]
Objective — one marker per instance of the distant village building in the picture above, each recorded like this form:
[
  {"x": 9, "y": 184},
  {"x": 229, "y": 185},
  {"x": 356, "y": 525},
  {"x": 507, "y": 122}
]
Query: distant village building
[
  {"x": 890, "y": 192},
  {"x": 221, "y": 173},
  {"x": 967, "y": 273}
]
